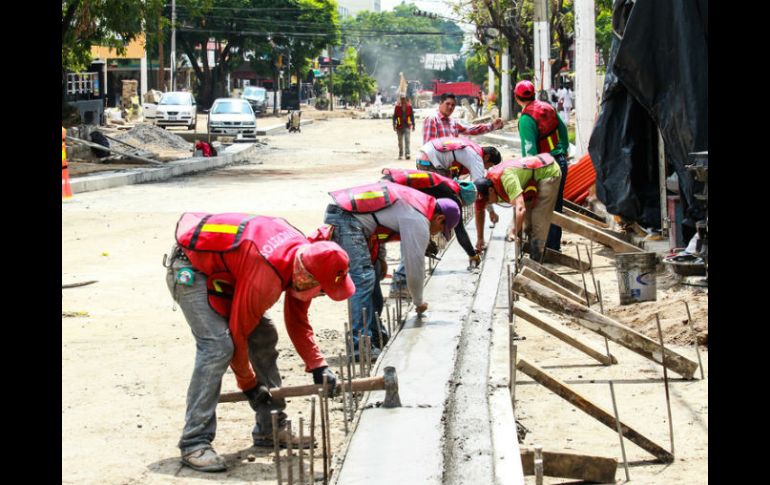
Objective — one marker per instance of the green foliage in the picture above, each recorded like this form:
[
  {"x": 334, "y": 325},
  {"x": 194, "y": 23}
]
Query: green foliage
[
  {"x": 110, "y": 23},
  {"x": 476, "y": 67},
  {"x": 385, "y": 56},
  {"x": 351, "y": 82}
]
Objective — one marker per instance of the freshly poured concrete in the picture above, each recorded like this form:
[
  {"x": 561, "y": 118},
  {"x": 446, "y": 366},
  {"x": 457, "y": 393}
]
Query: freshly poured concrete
[{"x": 444, "y": 433}]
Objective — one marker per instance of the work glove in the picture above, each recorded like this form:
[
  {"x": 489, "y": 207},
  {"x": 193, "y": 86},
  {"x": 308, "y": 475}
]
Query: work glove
[
  {"x": 474, "y": 261},
  {"x": 432, "y": 250},
  {"x": 258, "y": 395},
  {"x": 331, "y": 378}
]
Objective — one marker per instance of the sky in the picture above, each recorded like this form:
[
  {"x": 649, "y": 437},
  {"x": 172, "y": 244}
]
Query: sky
[{"x": 437, "y": 6}]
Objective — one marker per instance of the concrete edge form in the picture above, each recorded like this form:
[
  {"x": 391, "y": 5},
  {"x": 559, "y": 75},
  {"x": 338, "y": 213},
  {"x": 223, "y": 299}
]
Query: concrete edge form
[
  {"x": 409, "y": 444},
  {"x": 275, "y": 128},
  {"x": 233, "y": 154},
  {"x": 508, "y": 140}
]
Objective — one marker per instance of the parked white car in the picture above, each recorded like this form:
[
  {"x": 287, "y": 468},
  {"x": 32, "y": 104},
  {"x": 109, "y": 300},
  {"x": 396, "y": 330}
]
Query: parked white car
[
  {"x": 232, "y": 116},
  {"x": 176, "y": 108},
  {"x": 257, "y": 97}
]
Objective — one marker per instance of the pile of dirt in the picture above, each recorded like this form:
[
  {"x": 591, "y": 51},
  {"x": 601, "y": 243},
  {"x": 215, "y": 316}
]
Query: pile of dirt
[{"x": 164, "y": 144}]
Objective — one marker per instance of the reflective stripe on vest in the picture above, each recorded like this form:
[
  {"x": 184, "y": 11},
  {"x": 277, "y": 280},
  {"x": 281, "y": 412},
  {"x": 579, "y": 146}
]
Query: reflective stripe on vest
[
  {"x": 418, "y": 179},
  {"x": 547, "y": 124},
  {"x": 368, "y": 198},
  {"x": 274, "y": 238},
  {"x": 537, "y": 161}
]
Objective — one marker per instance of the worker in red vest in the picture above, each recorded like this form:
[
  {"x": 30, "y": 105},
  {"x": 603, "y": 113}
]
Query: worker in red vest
[
  {"x": 403, "y": 122},
  {"x": 542, "y": 131},
  {"x": 363, "y": 219},
  {"x": 530, "y": 185},
  {"x": 225, "y": 272}
]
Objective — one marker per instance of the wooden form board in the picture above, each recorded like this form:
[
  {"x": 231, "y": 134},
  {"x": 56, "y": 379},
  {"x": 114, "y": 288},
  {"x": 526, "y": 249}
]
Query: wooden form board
[
  {"x": 592, "y": 233},
  {"x": 556, "y": 277},
  {"x": 605, "y": 326},
  {"x": 598, "y": 469},
  {"x": 603, "y": 416},
  {"x": 535, "y": 276},
  {"x": 546, "y": 324},
  {"x": 586, "y": 219}
]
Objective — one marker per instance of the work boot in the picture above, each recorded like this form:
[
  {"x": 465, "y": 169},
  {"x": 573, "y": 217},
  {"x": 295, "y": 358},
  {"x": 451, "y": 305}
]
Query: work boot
[
  {"x": 204, "y": 460},
  {"x": 266, "y": 440}
]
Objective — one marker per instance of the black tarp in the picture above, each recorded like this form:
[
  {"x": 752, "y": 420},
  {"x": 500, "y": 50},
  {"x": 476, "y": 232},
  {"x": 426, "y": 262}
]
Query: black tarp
[{"x": 657, "y": 76}]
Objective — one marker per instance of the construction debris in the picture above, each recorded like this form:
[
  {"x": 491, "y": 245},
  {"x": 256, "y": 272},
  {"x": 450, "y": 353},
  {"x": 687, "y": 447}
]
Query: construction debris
[
  {"x": 164, "y": 144},
  {"x": 598, "y": 469}
]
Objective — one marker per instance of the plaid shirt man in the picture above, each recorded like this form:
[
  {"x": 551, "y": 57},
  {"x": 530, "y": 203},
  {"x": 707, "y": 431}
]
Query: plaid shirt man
[{"x": 438, "y": 126}]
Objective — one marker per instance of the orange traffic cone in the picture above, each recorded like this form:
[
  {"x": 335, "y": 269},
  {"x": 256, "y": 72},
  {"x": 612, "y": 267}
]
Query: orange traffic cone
[{"x": 66, "y": 190}]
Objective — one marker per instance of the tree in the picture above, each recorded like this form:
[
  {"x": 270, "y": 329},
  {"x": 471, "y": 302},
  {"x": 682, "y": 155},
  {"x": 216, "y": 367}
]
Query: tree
[
  {"x": 109, "y": 23},
  {"x": 269, "y": 29},
  {"x": 350, "y": 81},
  {"x": 393, "y": 42}
]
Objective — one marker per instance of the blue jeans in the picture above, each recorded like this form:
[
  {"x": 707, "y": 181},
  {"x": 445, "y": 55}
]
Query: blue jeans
[
  {"x": 349, "y": 234},
  {"x": 554, "y": 232},
  {"x": 214, "y": 351}
]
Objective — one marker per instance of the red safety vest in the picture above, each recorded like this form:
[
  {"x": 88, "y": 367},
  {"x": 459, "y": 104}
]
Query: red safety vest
[
  {"x": 418, "y": 179},
  {"x": 397, "y": 115},
  {"x": 453, "y": 143},
  {"x": 495, "y": 173},
  {"x": 371, "y": 198},
  {"x": 547, "y": 125},
  {"x": 198, "y": 233},
  {"x": 63, "y": 148}
]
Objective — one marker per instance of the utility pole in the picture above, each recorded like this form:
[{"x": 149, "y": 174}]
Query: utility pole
[
  {"x": 173, "y": 45},
  {"x": 542, "y": 47},
  {"x": 505, "y": 85},
  {"x": 331, "y": 80},
  {"x": 585, "y": 74},
  {"x": 161, "y": 67}
]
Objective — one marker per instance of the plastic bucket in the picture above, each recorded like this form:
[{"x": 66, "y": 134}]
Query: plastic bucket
[{"x": 636, "y": 277}]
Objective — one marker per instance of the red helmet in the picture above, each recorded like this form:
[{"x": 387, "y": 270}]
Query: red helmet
[{"x": 524, "y": 89}]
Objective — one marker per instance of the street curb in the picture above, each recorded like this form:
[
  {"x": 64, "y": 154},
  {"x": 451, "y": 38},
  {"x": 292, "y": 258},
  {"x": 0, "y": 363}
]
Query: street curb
[
  {"x": 272, "y": 129},
  {"x": 507, "y": 140},
  {"x": 89, "y": 183}
]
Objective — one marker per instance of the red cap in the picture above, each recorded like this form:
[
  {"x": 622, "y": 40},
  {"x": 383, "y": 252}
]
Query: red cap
[
  {"x": 329, "y": 263},
  {"x": 525, "y": 90}
]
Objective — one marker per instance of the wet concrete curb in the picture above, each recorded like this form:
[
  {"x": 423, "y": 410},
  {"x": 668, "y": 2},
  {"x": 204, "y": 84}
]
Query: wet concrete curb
[
  {"x": 233, "y": 154},
  {"x": 510, "y": 140}
]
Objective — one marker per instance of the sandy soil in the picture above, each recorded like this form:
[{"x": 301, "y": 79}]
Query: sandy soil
[{"x": 127, "y": 354}]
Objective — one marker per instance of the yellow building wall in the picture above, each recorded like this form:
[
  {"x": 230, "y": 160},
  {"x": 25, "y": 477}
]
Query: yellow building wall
[{"x": 134, "y": 50}]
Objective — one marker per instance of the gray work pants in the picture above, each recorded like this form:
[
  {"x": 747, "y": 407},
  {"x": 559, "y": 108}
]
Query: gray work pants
[
  {"x": 213, "y": 353},
  {"x": 403, "y": 142}
]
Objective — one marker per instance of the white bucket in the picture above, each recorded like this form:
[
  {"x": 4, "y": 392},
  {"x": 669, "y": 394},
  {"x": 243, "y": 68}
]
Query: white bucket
[{"x": 636, "y": 277}]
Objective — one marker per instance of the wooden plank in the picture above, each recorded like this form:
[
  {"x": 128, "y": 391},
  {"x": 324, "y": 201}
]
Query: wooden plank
[
  {"x": 604, "y": 325},
  {"x": 112, "y": 150},
  {"x": 583, "y": 210},
  {"x": 546, "y": 324},
  {"x": 535, "y": 276},
  {"x": 581, "y": 402},
  {"x": 555, "y": 257},
  {"x": 589, "y": 468},
  {"x": 592, "y": 233},
  {"x": 586, "y": 219},
  {"x": 556, "y": 277}
]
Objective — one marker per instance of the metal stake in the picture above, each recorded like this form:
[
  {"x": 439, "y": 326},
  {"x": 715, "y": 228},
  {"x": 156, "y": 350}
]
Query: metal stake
[
  {"x": 378, "y": 322},
  {"x": 344, "y": 401},
  {"x": 301, "y": 451},
  {"x": 695, "y": 338},
  {"x": 538, "y": 465},
  {"x": 510, "y": 296},
  {"x": 312, "y": 439},
  {"x": 513, "y": 378},
  {"x": 276, "y": 448},
  {"x": 390, "y": 328},
  {"x": 601, "y": 309},
  {"x": 591, "y": 268},
  {"x": 366, "y": 325},
  {"x": 368, "y": 355},
  {"x": 583, "y": 275},
  {"x": 360, "y": 354},
  {"x": 353, "y": 399},
  {"x": 620, "y": 431},
  {"x": 290, "y": 456},
  {"x": 324, "y": 426},
  {"x": 665, "y": 382},
  {"x": 328, "y": 424}
]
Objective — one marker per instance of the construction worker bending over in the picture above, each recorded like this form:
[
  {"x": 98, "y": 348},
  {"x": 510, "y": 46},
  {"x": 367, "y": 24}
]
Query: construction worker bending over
[
  {"x": 455, "y": 156},
  {"x": 363, "y": 219},
  {"x": 531, "y": 185},
  {"x": 542, "y": 131},
  {"x": 225, "y": 271},
  {"x": 463, "y": 192}
]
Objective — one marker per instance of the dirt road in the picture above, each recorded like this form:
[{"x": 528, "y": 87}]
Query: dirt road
[{"x": 127, "y": 354}]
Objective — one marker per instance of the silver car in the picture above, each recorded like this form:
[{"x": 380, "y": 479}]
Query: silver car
[
  {"x": 232, "y": 116},
  {"x": 257, "y": 98},
  {"x": 176, "y": 108}
]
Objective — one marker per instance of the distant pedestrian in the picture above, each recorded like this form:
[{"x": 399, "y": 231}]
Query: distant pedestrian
[
  {"x": 378, "y": 101},
  {"x": 403, "y": 123},
  {"x": 479, "y": 103}
]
